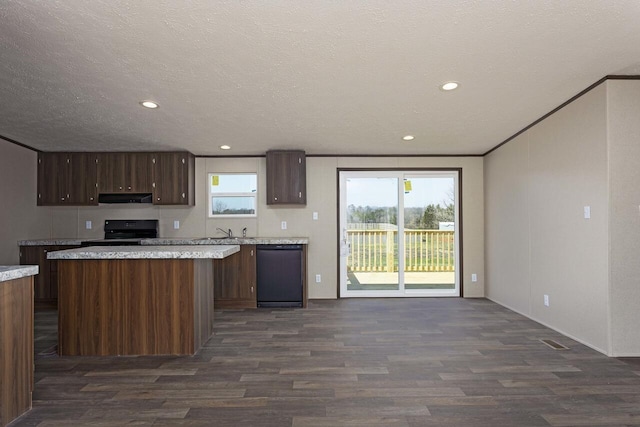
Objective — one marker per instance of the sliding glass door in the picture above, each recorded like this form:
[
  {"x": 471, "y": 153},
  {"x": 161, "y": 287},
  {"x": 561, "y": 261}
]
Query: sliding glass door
[{"x": 399, "y": 233}]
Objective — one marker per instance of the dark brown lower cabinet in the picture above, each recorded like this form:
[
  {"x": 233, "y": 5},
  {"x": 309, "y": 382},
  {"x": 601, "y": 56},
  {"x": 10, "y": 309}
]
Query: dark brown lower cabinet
[
  {"x": 46, "y": 282},
  {"x": 235, "y": 279}
]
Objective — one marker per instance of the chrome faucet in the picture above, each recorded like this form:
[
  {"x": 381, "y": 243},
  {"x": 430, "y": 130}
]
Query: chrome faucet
[{"x": 228, "y": 233}]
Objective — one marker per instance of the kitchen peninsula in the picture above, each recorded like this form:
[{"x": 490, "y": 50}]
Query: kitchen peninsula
[{"x": 136, "y": 300}]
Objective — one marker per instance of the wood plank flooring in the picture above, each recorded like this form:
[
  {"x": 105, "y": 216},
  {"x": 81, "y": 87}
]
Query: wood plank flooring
[{"x": 365, "y": 362}]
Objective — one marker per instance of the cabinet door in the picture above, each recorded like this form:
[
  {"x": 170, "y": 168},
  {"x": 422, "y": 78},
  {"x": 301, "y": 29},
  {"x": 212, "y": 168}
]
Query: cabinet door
[
  {"x": 286, "y": 177},
  {"x": 172, "y": 178},
  {"x": 83, "y": 182},
  {"x": 111, "y": 172},
  {"x": 138, "y": 173},
  {"x": 226, "y": 278},
  {"x": 53, "y": 178},
  {"x": 37, "y": 255},
  {"x": 247, "y": 275},
  {"x": 297, "y": 193},
  {"x": 234, "y": 282}
]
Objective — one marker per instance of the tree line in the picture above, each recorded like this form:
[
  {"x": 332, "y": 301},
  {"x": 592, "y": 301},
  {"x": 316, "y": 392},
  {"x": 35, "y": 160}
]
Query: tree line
[{"x": 426, "y": 218}]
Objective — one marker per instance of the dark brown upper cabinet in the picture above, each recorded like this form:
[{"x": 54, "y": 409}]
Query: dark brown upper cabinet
[
  {"x": 124, "y": 173},
  {"x": 77, "y": 178},
  {"x": 173, "y": 178},
  {"x": 286, "y": 177},
  {"x": 67, "y": 179}
]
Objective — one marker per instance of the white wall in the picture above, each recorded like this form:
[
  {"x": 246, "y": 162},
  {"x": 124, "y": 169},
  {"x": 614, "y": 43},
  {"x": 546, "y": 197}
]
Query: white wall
[
  {"x": 623, "y": 98},
  {"x": 19, "y": 217},
  {"x": 507, "y": 234},
  {"x": 321, "y": 198},
  {"x": 537, "y": 240}
]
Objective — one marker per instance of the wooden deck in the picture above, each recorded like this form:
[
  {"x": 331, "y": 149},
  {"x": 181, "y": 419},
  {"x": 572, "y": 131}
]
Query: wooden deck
[
  {"x": 353, "y": 362},
  {"x": 371, "y": 281}
]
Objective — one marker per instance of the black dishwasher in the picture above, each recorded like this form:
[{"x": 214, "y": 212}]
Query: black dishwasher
[{"x": 279, "y": 275}]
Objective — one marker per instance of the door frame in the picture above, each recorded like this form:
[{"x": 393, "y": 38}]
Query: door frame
[{"x": 459, "y": 226}]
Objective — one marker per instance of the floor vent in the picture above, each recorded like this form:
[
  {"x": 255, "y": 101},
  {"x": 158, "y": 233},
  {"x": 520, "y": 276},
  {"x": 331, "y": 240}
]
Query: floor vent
[{"x": 554, "y": 345}]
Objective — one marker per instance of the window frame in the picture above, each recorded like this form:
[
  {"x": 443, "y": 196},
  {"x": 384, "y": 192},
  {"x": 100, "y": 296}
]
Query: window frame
[{"x": 211, "y": 194}]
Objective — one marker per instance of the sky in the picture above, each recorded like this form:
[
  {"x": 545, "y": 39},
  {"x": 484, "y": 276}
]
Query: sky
[{"x": 382, "y": 192}]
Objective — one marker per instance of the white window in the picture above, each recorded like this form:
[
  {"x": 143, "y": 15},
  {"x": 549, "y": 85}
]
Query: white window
[{"x": 233, "y": 194}]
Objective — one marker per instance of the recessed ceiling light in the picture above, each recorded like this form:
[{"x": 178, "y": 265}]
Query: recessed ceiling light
[
  {"x": 408, "y": 137},
  {"x": 225, "y": 147},
  {"x": 449, "y": 86},
  {"x": 149, "y": 104}
]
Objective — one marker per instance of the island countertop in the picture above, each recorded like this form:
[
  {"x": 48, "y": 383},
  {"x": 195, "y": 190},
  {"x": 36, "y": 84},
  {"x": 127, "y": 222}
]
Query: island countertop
[
  {"x": 146, "y": 252},
  {"x": 12, "y": 272}
]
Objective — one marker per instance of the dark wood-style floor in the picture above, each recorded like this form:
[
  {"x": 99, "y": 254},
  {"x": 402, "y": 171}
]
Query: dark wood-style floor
[{"x": 366, "y": 362}]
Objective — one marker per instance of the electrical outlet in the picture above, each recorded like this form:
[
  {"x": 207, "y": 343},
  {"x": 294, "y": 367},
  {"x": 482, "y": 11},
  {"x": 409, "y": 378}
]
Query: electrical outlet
[
  {"x": 587, "y": 212},
  {"x": 315, "y": 216},
  {"x": 88, "y": 225},
  {"x": 546, "y": 300},
  {"x": 318, "y": 278},
  {"x": 283, "y": 225},
  {"x": 176, "y": 225},
  {"x": 474, "y": 277}
]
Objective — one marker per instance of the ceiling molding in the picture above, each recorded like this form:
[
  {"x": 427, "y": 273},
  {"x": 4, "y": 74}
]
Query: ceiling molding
[
  {"x": 208, "y": 156},
  {"x": 13, "y": 141},
  {"x": 561, "y": 106}
]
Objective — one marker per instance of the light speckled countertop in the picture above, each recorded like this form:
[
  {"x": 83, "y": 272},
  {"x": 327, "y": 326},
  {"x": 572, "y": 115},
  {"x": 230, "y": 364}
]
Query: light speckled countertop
[
  {"x": 51, "y": 242},
  {"x": 226, "y": 241},
  {"x": 12, "y": 272},
  {"x": 182, "y": 241},
  {"x": 147, "y": 252}
]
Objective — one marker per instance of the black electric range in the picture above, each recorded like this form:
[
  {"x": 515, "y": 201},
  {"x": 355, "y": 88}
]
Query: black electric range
[{"x": 125, "y": 232}]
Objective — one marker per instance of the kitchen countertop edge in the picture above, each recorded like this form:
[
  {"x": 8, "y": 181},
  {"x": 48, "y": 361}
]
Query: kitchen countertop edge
[
  {"x": 183, "y": 241},
  {"x": 146, "y": 252},
  {"x": 233, "y": 241},
  {"x": 12, "y": 272},
  {"x": 51, "y": 242}
]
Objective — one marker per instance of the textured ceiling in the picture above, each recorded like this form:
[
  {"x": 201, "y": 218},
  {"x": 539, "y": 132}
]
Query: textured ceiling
[{"x": 329, "y": 77}]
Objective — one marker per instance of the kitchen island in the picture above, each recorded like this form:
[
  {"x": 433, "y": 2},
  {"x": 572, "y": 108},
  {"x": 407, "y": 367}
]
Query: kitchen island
[
  {"x": 133, "y": 300},
  {"x": 16, "y": 340}
]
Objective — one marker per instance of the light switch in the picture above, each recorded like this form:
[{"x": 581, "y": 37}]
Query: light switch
[
  {"x": 315, "y": 216},
  {"x": 474, "y": 277},
  {"x": 587, "y": 212}
]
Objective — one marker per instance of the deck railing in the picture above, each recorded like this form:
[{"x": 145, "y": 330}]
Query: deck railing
[{"x": 425, "y": 250}]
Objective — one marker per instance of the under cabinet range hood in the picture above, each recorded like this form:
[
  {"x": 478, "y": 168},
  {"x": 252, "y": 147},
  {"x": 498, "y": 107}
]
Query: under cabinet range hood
[{"x": 125, "y": 198}]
